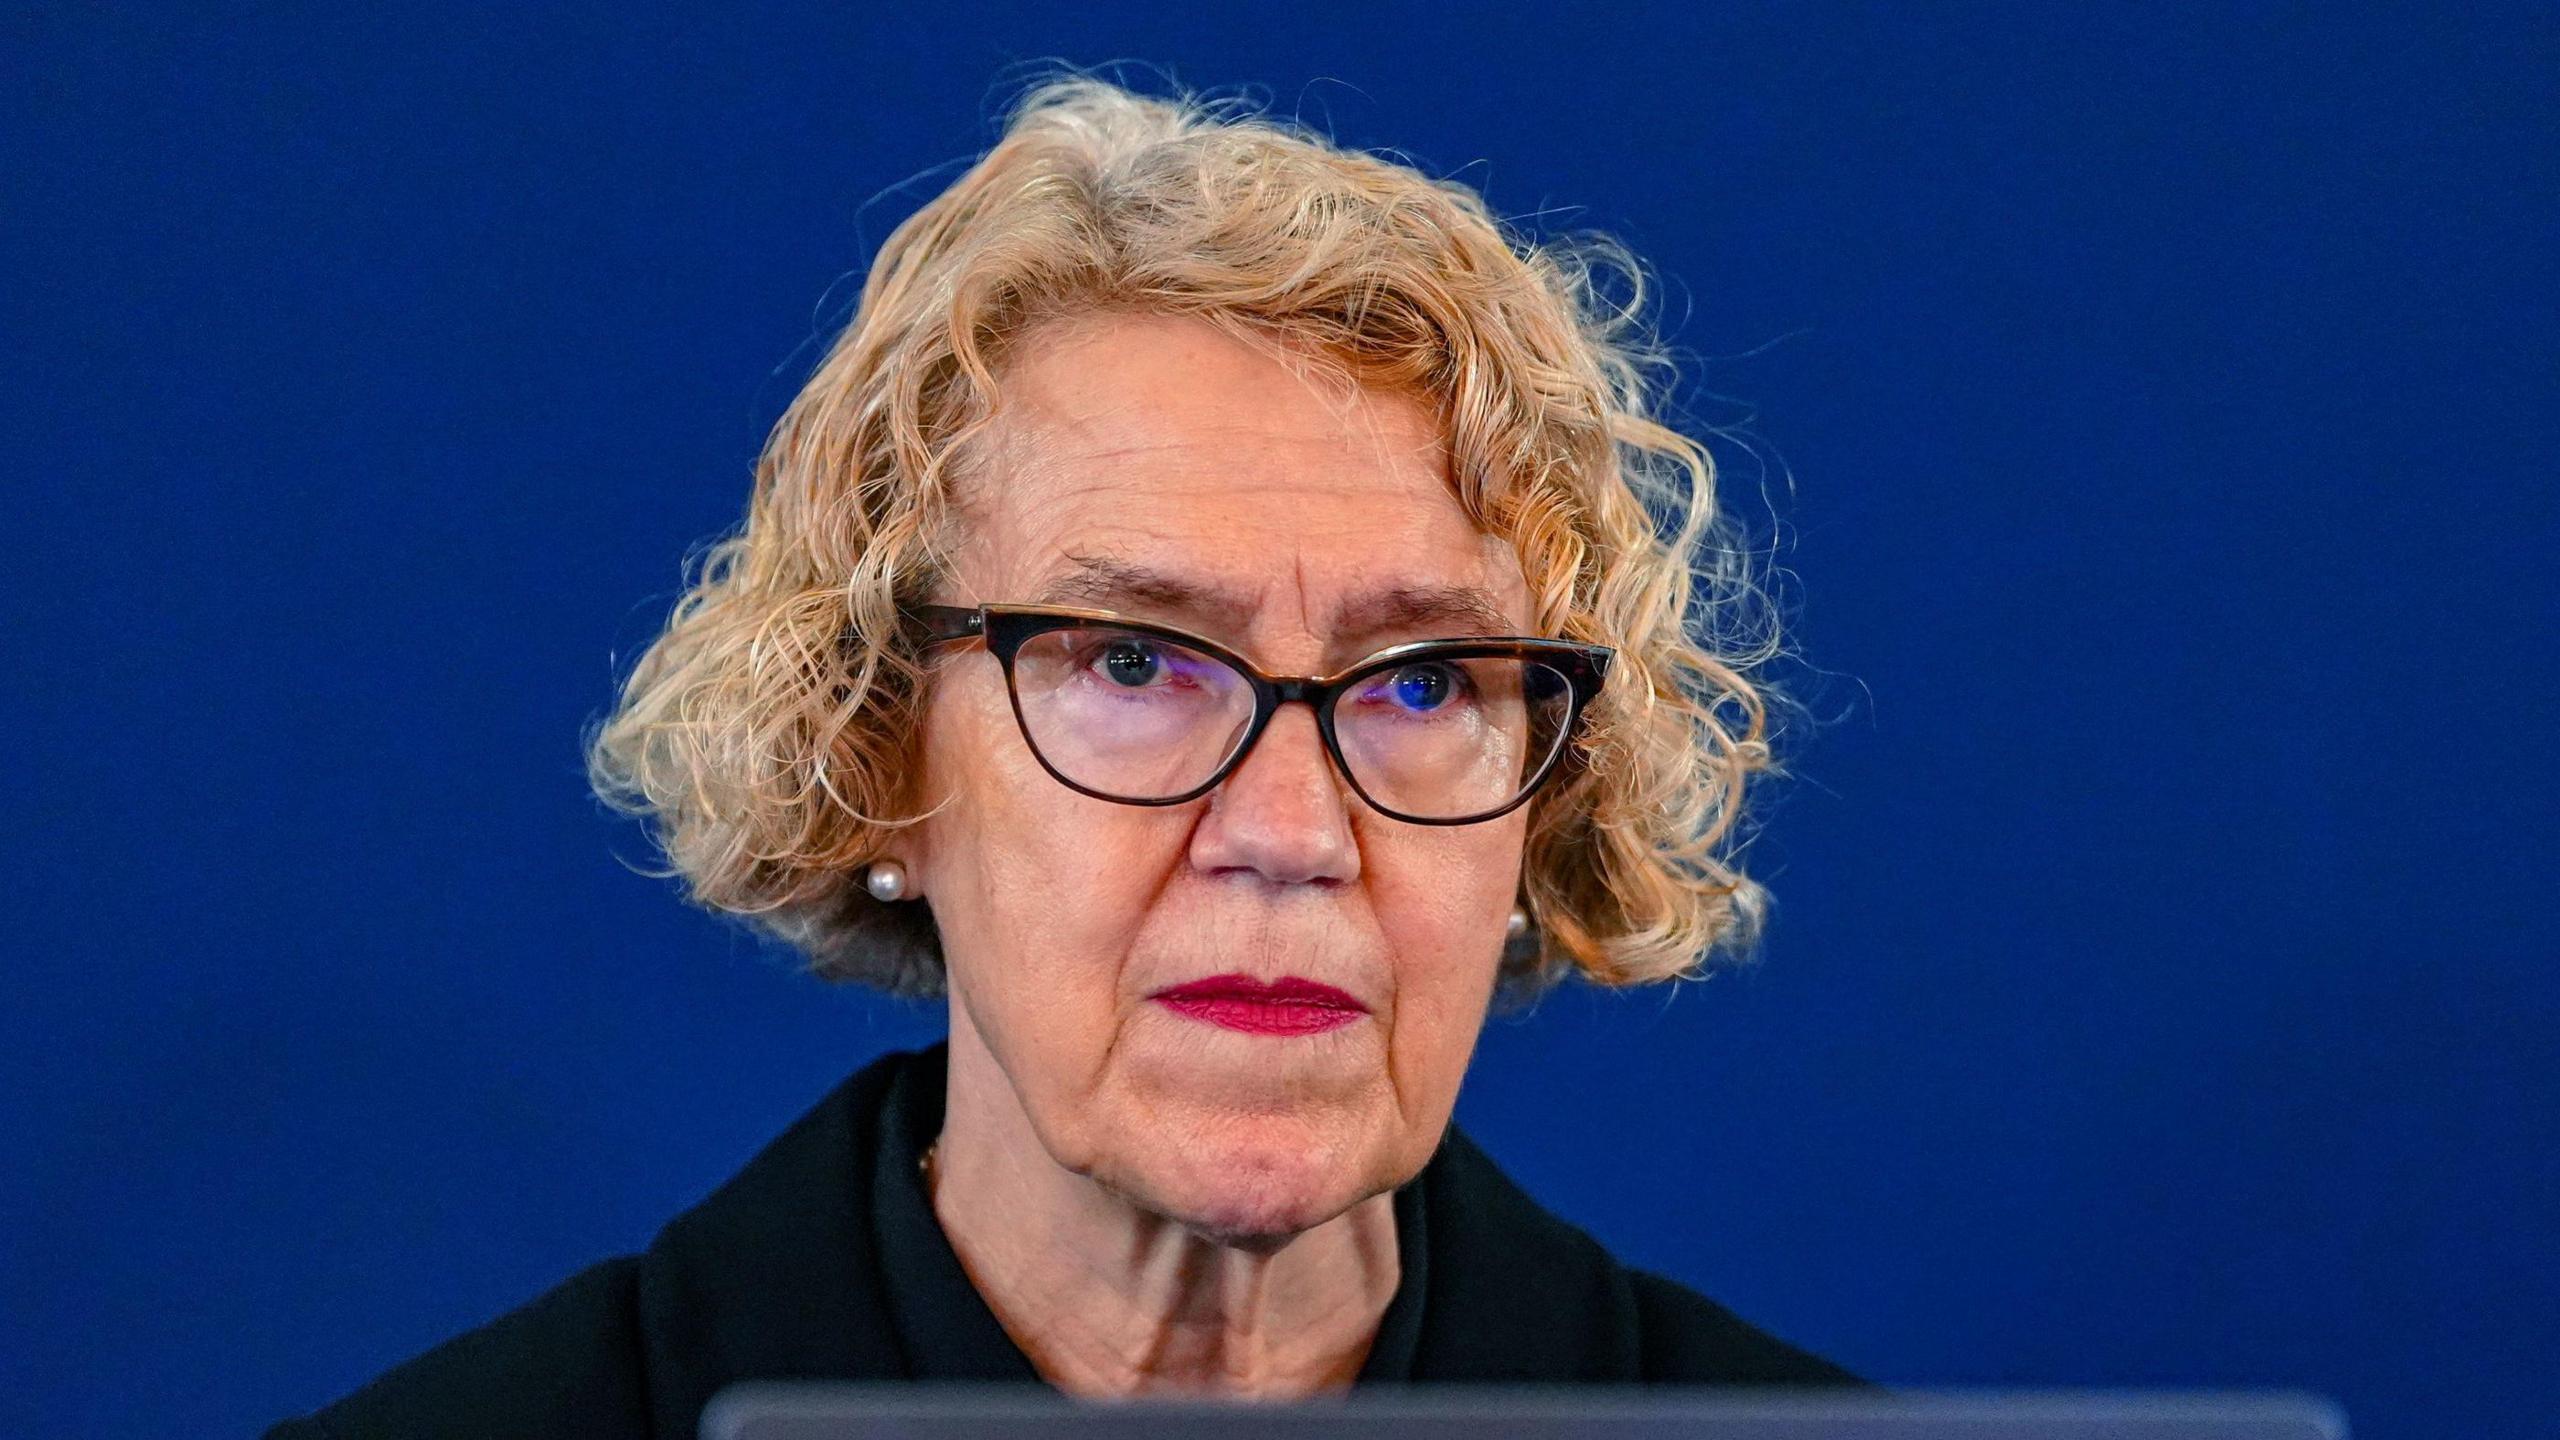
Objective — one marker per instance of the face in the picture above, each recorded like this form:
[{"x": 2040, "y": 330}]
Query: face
[{"x": 1161, "y": 469}]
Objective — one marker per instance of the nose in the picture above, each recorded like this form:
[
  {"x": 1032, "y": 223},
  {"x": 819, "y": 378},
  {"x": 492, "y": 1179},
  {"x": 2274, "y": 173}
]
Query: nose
[{"x": 1284, "y": 814}]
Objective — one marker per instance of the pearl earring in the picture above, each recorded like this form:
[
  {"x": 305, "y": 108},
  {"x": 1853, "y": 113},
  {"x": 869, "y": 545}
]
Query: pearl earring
[
  {"x": 886, "y": 880},
  {"x": 1518, "y": 924}
]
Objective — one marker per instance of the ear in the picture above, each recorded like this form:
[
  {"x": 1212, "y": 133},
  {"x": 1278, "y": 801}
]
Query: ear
[{"x": 911, "y": 845}]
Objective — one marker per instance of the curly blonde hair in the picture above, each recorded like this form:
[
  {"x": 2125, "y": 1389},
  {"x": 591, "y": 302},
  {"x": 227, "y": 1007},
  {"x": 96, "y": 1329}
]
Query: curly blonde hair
[{"x": 766, "y": 733}]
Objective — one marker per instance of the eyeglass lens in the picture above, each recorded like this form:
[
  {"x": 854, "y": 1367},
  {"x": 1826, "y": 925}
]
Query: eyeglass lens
[{"x": 1139, "y": 717}]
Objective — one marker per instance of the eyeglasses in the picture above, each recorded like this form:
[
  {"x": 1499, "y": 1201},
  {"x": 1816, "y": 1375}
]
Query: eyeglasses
[{"x": 1443, "y": 732}]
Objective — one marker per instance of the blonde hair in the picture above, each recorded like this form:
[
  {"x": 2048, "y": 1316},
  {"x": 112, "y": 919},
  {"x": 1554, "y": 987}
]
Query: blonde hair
[{"x": 766, "y": 733}]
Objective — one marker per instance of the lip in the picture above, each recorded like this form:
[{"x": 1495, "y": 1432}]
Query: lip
[{"x": 1286, "y": 1006}]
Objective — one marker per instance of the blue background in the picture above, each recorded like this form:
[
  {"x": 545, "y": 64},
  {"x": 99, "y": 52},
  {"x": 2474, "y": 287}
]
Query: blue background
[{"x": 2163, "y": 988}]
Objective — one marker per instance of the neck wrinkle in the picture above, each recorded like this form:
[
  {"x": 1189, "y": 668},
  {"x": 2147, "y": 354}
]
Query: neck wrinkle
[{"x": 1109, "y": 1300}]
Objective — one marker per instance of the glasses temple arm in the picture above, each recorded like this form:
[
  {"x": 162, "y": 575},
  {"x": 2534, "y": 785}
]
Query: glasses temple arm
[{"x": 931, "y": 624}]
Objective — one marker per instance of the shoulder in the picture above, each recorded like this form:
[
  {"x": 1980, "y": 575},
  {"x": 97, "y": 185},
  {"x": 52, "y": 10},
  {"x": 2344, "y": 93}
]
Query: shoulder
[
  {"x": 1688, "y": 1337},
  {"x": 768, "y": 1276},
  {"x": 1517, "y": 1294},
  {"x": 568, "y": 1362}
]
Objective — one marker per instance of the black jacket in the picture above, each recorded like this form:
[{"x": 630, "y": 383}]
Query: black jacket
[{"x": 820, "y": 1260}]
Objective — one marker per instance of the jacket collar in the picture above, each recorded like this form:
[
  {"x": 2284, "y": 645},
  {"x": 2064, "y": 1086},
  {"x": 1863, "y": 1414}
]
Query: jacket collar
[
  {"x": 774, "y": 1275},
  {"x": 778, "y": 1274}
]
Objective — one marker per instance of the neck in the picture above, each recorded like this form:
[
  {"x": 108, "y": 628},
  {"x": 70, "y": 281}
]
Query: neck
[{"x": 1108, "y": 1299}]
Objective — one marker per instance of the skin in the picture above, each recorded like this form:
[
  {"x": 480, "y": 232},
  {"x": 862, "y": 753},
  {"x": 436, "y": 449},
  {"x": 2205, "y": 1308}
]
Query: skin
[{"x": 1149, "y": 1202}]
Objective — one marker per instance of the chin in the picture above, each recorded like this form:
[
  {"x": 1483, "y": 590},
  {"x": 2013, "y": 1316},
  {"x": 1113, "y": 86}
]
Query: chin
[{"x": 1254, "y": 1181}]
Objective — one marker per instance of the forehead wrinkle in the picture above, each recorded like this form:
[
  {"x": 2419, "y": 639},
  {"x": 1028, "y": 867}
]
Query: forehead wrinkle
[
  {"x": 1362, "y": 423},
  {"x": 1108, "y": 582},
  {"x": 1089, "y": 456},
  {"x": 1092, "y": 563},
  {"x": 1105, "y": 581},
  {"x": 1471, "y": 608}
]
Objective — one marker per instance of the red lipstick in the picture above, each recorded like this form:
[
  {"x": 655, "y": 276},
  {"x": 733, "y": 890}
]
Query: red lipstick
[{"x": 1286, "y": 1006}]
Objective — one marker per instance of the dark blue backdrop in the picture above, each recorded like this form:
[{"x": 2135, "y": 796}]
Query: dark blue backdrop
[{"x": 2163, "y": 989}]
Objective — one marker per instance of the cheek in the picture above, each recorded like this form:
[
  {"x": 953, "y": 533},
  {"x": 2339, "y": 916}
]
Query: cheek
[
  {"x": 1036, "y": 890},
  {"x": 1444, "y": 889},
  {"x": 1442, "y": 897}
]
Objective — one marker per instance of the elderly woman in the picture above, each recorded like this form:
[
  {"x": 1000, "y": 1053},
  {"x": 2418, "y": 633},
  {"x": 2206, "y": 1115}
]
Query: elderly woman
[{"x": 1219, "y": 615}]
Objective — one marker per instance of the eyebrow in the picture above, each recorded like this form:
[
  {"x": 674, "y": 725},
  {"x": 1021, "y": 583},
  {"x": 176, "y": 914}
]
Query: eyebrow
[
  {"x": 1103, "y": 582},
  {"x": 1454, "y": 610}
]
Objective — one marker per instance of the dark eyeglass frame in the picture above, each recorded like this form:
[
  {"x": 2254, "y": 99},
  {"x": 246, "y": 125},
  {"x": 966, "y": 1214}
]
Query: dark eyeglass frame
[{"x": 1007, "y": 628}]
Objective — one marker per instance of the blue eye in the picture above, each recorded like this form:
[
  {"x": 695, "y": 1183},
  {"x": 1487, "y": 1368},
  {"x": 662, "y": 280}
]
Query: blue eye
[
  {"x": 1422, "y": 687},
  {"x": 1130, "y": 663}
]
